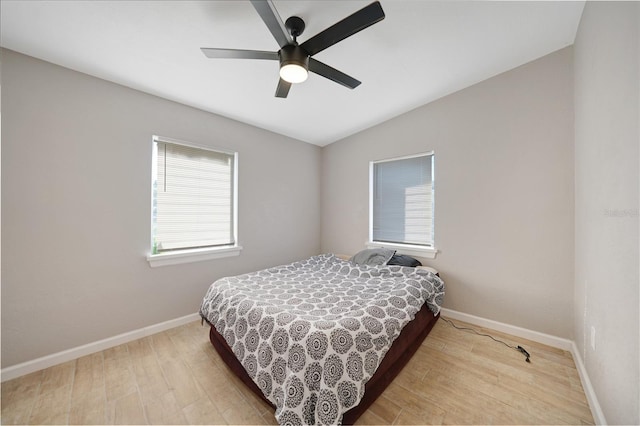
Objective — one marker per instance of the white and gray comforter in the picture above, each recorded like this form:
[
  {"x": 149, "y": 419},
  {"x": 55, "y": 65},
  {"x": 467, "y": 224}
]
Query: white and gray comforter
[{"x": 311, "y": 334}]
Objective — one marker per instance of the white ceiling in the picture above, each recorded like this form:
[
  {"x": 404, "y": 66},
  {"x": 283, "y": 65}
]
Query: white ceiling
[{"x": 421, "y": 51}]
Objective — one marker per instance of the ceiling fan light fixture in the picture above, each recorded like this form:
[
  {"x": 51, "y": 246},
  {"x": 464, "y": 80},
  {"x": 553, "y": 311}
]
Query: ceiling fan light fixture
[
  {"x": 293, "y": 73},
  {"x": 294, "y": 64}
]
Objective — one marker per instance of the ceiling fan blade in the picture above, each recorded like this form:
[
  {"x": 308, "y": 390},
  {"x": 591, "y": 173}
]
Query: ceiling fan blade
[
  {"x": 238, "y": 53},
  {"x": 283, "y": 89},
  {"x": 350, "y": 25},
  {"x": 332, "y": 74},
  {"x": 269, "y": 15}
]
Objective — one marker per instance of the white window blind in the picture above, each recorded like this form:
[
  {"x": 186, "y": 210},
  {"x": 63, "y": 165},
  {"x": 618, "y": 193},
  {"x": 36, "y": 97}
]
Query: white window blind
[
  {"x": 193, "y": 197},
  {"x": 402, "y": 201}
]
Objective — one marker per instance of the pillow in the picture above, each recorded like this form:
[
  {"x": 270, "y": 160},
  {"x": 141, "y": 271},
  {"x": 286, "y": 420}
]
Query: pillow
[
  {"x": 404, "y": 260},
  {"x": 372, "y": 257}
]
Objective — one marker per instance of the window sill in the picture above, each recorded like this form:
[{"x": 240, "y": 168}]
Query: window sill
[
  {"x": 192, "y": 255},
  {"x": 408, "y": 249}
]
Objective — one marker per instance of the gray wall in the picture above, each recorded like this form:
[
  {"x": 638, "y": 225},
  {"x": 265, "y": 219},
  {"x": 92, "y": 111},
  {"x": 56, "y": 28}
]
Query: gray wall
[
  {"x": 607, "y": 113},
  {"x": 76, "y": 176},
  {"x": 503, "y": 197}
]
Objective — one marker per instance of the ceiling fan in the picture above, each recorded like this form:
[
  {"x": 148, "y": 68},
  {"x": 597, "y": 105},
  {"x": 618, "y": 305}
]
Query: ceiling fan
[{"x": 296, "y": 59}]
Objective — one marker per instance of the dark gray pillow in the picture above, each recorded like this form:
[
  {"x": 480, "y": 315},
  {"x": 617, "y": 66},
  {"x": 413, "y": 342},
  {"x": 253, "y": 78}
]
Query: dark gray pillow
[
  {"x": 372, "y": 257},
  {"x": 404, "y": 260}
]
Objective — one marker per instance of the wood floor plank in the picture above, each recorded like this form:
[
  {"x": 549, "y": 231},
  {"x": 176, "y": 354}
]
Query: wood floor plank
[
  {"x": 149, "y": 376},
  {"x": 88, "y": 412},
  {"x": 164, "y": 410},
  {"x": 118, "y": 373},
  {"x": 88, "y": 397},
  {"x": 385, "y": 409},
  {"x": 88, "y": 380},
  {"x": 203, "y": 412},
  {"x": 408, "y": 400},
  {"x": 58, "y": 376},
  {"x": 181, "y": 382},
  {"x": 52, "y": 407},
  {"x": 164, "y": 347},
  {"x": 141, "y": 348},
  {"x": 127, "y": 410},
  {"x": 370, "y": 418},
  {"x": 18, "y": 398},
  {"x": 431, "y": 416}
]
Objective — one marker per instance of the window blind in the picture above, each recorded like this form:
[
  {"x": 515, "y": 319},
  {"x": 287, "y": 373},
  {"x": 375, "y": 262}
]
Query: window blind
[
  {"x": 403, "y": 201},
  {"x": 193, "y": 198}
]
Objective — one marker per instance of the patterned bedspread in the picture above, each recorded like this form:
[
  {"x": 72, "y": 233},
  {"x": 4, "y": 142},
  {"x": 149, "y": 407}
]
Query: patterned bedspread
[{"x": 312, "y": 333}]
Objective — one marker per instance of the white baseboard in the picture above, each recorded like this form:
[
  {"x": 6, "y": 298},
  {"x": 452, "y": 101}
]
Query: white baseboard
[
  {"x": 77, "y": 352},
  {"x": 545, "y": 339},
  {"x": 594, "y": 405}
]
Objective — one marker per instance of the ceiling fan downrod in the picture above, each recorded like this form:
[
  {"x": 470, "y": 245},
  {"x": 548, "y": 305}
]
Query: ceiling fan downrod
[{"x": 295, "y": 25}]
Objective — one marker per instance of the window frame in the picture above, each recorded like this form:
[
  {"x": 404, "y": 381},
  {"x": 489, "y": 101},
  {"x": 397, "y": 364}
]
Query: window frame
[
  {"x": 426, "y": 251},
  {"x": 188, "y": 255}
]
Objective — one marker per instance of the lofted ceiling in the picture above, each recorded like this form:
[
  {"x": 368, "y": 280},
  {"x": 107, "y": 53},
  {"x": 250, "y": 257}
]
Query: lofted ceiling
[{"x": 421, "y": 51}]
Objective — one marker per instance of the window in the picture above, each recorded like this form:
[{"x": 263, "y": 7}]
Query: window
[
  {"x": 193, "y": 203},
  {"x": 402, "y": 204}
]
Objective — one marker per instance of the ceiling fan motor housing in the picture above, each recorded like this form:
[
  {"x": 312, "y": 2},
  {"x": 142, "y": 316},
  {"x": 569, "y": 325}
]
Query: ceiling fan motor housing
[{"x": 294, "y": 55}]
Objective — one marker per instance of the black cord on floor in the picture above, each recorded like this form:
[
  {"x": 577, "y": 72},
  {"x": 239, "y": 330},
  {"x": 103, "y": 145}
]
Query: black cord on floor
[{"x": 517, "y": 348}]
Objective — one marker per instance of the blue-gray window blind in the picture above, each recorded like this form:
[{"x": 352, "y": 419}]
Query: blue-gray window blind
[{"x": 402, "y": 191}]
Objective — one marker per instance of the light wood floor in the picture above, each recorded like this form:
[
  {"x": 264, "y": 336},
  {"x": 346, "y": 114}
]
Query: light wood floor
[{"x": 176, "y": 377}]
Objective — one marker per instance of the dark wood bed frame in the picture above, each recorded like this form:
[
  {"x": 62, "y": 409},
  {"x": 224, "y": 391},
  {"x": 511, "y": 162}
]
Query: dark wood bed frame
[{"x": 403, "y": 348}]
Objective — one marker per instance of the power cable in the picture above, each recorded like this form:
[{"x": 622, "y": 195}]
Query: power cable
[{"x": 517, "y": 348}]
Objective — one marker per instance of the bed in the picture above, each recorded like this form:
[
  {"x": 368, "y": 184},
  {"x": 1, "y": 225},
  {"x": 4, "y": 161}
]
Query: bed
[{"x": 320, "y": 339}]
